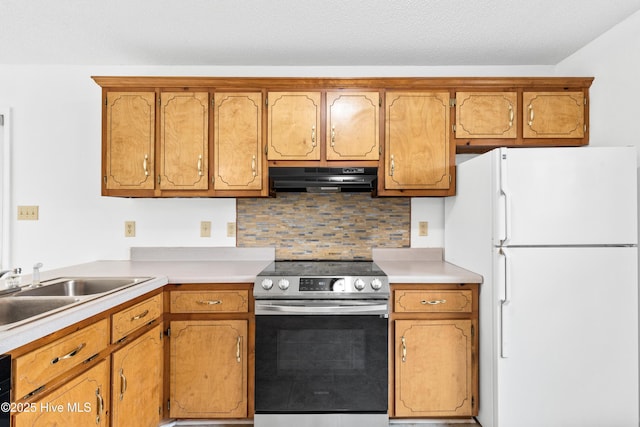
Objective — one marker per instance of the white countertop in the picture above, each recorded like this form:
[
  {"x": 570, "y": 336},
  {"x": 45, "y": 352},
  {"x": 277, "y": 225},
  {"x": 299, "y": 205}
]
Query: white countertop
[{"x": 187, "y": 266}]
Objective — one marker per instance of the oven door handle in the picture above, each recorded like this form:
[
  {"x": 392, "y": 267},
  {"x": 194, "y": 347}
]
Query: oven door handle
[{"x": 326, "y": 308}]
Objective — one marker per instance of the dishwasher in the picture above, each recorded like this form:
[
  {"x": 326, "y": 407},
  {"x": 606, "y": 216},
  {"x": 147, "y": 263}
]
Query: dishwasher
[{"x": 5, "y": 389}]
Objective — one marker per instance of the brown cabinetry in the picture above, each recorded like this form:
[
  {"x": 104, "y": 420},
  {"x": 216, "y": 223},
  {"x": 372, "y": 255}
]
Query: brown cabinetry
[
  {"x": 353, "y": 131},
  {"x": 293, "y": 126},
  {"x": 184, "y": 141},
  {"x": 211, "y": 335},
  {"x": 434, "y": 345},
  {"x": 554, "y": 114},
  {"x": 83, "y": 401},
  {"x": 128, "y": 155},
  {"x": 486, "y": 115},
  {"x": 237, "y": 141},
  {"x": 418, "y": 155}
]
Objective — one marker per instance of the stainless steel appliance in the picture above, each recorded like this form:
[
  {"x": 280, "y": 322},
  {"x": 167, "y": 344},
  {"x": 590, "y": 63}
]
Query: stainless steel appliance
[
  {"x": 321, "y": 344},
  {"x": 5, "y": 389}
]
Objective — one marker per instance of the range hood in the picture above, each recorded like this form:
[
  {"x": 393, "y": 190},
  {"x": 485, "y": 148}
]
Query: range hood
[{"x": 323, "y": 180}]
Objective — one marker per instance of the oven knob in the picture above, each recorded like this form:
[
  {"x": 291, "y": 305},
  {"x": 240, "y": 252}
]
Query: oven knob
[
  {"x": 358, "y": 284},
  {"x": 338, "y": 286},
  {"x": 376, "y": 284},
  {"x": 267, "y": 284},
  {"x": 283, "y": 284}
]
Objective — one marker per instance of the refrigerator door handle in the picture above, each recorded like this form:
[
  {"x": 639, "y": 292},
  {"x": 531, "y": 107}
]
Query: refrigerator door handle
[
  {"x": 505, "y": 277},
  {"x": 504, "y": 210}
]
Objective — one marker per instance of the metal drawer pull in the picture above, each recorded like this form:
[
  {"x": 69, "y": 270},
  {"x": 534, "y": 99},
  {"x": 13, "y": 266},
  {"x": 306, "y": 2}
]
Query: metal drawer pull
[
  {"x": 200, "y": 165},
  {"x": 123, "y": 383},
  {"x": 433, "y": 302},
  {"x": 238, "y": 349},
  {"x": 510, "y": 115},
  {"x": 69, "y": 355},
  {"x": 211, "y": 302},
  {"x": 333, "y": 136},
  {"x": 100, "y": 405},
  {"x": 140, "y": 316},
  {"x": 144, "y": 165},
  {"x": 404, "y": 350},
  {"x": 313, "y": 136}
]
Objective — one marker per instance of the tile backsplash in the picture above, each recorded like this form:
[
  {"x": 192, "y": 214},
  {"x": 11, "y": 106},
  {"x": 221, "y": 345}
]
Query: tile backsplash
[{"x": 341, "y": 226}]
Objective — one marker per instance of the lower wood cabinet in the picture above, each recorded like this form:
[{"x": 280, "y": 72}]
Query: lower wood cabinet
[
  {"x": 83, "y": 401},
  {"x": 136, "y": 389},
  {"x": 208, "y": 368},
  {"x": 434, "y": 344}
]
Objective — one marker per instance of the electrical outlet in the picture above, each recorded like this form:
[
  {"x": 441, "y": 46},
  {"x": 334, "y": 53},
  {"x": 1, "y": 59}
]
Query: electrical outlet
[
  {"x": 231, "y": 229},
  {"x": 205, "y": 228},
  {"x": 423, "y": 228},
  {"x": 29, "y": 213},
  {"x": 129, "y": 229}
]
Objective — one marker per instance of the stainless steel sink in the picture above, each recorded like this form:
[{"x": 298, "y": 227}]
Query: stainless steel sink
[
  {"x": 80, "y": 286},
  {"x": 16, "y": 309}
]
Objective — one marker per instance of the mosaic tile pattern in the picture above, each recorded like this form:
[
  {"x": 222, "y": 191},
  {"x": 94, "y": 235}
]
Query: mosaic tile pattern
[{"x": 339, "y": 226}]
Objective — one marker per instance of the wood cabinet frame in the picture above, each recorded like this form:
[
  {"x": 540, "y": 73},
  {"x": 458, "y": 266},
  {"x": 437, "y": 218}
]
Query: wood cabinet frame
[
  {"x": 324, "y": 85},
  {"x": 470, "y": 314}
]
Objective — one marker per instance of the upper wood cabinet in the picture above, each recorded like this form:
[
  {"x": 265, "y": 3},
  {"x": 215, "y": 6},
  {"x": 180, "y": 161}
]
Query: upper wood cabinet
[
  {"x": 237, "y": 141},
  {"x": 184, "y": 141},
  {"x": 417, "y": 151},
  {"x": 353, "y": 131},
  {"x": 129, "y": 141},
  {"x": 486, "y": 115},
  {"x": 554, "y": 114},
  {"x": 293, "y": 125}
]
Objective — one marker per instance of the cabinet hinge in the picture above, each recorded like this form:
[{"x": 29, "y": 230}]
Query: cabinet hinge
[
  {"x": 585, "y": 100},
  {"x": 266, "y": 102},
  {"x": 168, "y": 405},
  {"x": 450, "y": 179},
  {"x": 473, "y": 329},
  {"x": 585, "y": 127},
  {"x": 105, "y": 179},
  {"x": 452, "y": 102},
  {"x": 473, "y": 401},
  {"x": 158, "y": 179},
  {"x": 453, "y": 126},
  {"x": 266, "y": 149},
  {"x": 106, "y": 101},
  {"x": 213, "y": 102},
  {"x": 168, "y": 332}
]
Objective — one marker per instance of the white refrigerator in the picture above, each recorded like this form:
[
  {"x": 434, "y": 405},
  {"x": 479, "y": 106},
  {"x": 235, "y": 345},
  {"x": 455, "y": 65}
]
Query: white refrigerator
[{"x": 554, "y": 233}]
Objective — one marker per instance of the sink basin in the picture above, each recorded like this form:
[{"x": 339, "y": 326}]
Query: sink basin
[
  {"x": 16, "y": 309},
  {"x": 81, "y": 286}
]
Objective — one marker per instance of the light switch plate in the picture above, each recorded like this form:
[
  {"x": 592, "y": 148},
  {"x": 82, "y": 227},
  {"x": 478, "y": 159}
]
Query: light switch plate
[
  {"x": 231, "y": 229},
  {"x": 29, "y": 213},
  {"x": 205, "y": 228}
]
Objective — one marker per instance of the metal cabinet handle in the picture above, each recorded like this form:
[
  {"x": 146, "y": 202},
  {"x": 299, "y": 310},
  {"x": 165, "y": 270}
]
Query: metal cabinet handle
[
  {"x": 200, "y": 165},
  {"x": 313, "y": 135},
  {"x": 123, "y": 384},
  {"x": 434, "y": 302},
  {"x": 510, "y": 115},
  {"x": 209, "y": 302},
  {"x": 144, "y": 165},
  {"x": 393, "y": 166},
  {"x": 100, "y": 401},
  {"x": 253, "y": 165},
  {"x": 68, "y": 355},
  {"x": 238, "y": 349},
  {"x": 531, "y": 115},
  {"x": 140, "y": 316},
  {"x": 333, "y": 136},
  {"x": 404, "y": 350}
]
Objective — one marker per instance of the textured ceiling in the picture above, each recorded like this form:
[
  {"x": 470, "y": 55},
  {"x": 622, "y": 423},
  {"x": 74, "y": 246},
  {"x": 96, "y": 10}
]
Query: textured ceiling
[{"x": 302, "y": 32}]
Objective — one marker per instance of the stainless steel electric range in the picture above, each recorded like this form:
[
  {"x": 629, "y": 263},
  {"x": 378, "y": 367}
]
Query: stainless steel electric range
[{"x": 321, "y": 344}]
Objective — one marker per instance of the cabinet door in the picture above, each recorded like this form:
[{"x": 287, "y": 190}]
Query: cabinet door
[
  {"x": 353, "y": 131},
  {"x": 433, "y": 368},
  {"x": 208, "y": 369},
  {"x": 553, "y": 114},
  {"x": 83, "y": 401},
  {"x": 184, "y": 140},
  {"x": 137, "y": 382},
  {"x": 294, "y": 126},
  {"x": 486, "y": 115},
  {"x": 130, "y": 140},
  {"x": 238, "y": 141},
  {"x": 417, "y": 141}
]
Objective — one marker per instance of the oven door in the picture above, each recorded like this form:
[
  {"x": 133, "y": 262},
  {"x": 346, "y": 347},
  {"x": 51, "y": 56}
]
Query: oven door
[{"x": 321, "y": 363}]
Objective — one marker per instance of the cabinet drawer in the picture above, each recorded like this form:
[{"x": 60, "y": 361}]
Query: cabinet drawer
[
  {"x": 227, "y": 301},
  {"x": 40, "y": 366},
  {"x": 421, "y": 301},
  {"x": 130, "y": 319}
]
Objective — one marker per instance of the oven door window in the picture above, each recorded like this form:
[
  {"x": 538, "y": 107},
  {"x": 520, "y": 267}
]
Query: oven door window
[{"x": 321, "y": 364}]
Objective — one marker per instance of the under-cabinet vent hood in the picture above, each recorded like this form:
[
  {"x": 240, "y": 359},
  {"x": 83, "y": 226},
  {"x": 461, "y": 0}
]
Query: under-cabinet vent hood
[{"x": 318, "y": 180}]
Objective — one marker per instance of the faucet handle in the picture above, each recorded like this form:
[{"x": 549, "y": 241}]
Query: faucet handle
[{"x": 35, "y": 277}]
